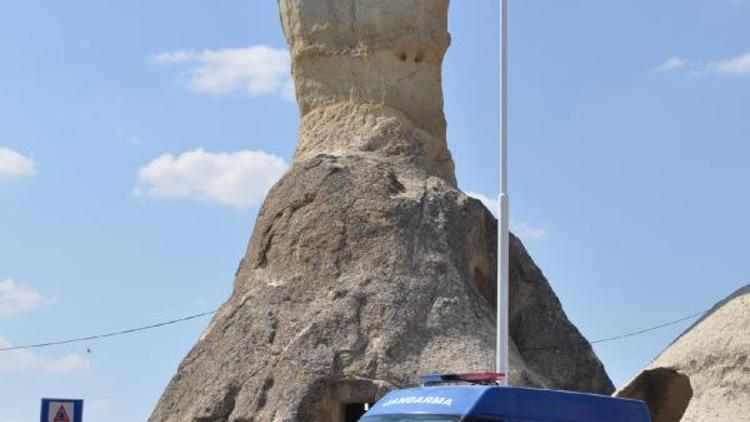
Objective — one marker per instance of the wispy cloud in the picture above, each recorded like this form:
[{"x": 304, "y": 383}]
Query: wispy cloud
[
  {"x": 14, "y": 164},
  {"x": 733, "y": 66},
  {"x": 17, "y": 297},
  {"x": 524, "y": 230},
  {"x": 256, "y": 70},
  {"x": 132, "y": 139},
  {"x": 528, "y": 232},
  {"x": 15, "y": 360},
  {"x": 98, "y": 405},
  {"x": 672, "y": 63},
  {"x": 70, "y": 363},
  {"x": 240, "y": 178},
  {"x": 24, "y": 360}
]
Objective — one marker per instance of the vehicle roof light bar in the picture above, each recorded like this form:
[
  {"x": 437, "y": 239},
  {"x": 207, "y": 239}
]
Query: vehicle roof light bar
[{"x": 479, "y": 378}]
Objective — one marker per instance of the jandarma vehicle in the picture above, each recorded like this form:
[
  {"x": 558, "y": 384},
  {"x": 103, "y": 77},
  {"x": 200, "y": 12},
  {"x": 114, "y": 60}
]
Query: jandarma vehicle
[{"x": 493, "y": 403}]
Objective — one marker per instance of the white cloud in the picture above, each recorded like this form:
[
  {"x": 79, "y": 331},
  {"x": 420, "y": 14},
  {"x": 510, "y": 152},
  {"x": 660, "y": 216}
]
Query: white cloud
[
  {"x": 240, "y": 179},
  {"x": 70, "y": 363},
  {"x": 17, "y": 297},
  {"x": 98, "y": 405},
  {"x": 134, "y": 140},
  {"x": 14, "y": 165},
  {"x": 255, "y": 70},
  {"x": 524, "y": 230},
  {"x": 24, "y": 360},
  {"x": 736, "y": 66},
  {"x": 527, "y": 232},
  {"x": 673, "y": 63},
  {"x": 492, "y": 204},
  {"x": 15, "y": 360}
]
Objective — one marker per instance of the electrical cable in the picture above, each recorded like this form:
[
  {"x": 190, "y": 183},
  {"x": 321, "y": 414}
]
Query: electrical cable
[
  {"x": 110, "y": 334},
  {"x": 202, "y": 314},
  {"x": 617, "y": 337}
]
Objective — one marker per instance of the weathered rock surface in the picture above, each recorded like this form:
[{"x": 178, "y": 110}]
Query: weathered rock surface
[
  {"x": 709, "y": 362},
  {"x": 368, "y": 78},
  {"x": 367, "y": 266}
]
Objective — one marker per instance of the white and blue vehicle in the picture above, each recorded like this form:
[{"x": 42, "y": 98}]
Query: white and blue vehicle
[{"x": 437, "y": 402}]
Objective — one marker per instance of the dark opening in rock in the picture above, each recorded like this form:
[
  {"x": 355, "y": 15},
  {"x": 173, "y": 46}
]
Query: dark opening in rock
[
  {"x": 666, "y": 392},
  {"x": 353, "y": 411}
]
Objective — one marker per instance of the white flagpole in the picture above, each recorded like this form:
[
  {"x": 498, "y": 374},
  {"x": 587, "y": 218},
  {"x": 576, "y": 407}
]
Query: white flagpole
[{"x": 503, "y": 226}]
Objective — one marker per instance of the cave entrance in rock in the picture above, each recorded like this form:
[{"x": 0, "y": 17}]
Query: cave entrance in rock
[{"x": 353, "y": 411}]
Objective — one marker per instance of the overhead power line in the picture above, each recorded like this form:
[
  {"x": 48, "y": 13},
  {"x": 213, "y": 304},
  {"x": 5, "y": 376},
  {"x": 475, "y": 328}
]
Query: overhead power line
[
  {"x": 111, "y": 334},
  {"x": 202, "y": 314},
  {"x": 617, "y": 337},
  {"x": 654, "y": 328}
]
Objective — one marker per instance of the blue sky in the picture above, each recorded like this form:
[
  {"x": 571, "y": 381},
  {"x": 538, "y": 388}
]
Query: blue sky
[{"x": 139, "y": 137}]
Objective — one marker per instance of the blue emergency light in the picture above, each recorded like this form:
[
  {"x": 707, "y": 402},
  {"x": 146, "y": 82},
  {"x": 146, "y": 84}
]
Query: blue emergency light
[{"x": 434, "y": 402}]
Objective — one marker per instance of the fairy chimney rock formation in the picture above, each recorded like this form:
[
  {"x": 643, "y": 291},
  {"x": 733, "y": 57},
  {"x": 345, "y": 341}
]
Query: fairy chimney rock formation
[
  {"x": 367, "y": 266},
  {"x": 704, "y": 375},
  {"x": 368, "y": 78}
]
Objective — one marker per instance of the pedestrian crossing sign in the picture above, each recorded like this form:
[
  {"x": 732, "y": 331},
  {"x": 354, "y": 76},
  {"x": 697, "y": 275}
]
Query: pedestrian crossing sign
[{"x": 62, "y": 410}]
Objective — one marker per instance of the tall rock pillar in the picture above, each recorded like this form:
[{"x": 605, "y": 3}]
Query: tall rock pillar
[
  {"x": 367, "y": 266},
  {"x": 368, "y": 78}
]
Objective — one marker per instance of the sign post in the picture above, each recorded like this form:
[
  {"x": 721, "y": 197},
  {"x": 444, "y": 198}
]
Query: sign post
[{"x": 62, "y": 410}]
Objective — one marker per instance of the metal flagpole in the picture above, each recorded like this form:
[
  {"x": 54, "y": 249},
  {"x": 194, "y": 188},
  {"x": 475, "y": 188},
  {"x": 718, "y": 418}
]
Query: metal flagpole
[{"x": 503, "y": 226}]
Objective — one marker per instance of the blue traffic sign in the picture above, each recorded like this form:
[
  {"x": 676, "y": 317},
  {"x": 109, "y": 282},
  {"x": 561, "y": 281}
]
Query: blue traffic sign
[{"x": 61, "y": 410}]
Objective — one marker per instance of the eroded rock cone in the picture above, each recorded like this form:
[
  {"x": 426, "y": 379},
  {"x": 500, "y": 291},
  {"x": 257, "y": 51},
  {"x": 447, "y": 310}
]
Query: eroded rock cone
[
  {"x": 367, "y": 266},
  {"x": 704, "y": 375}
]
